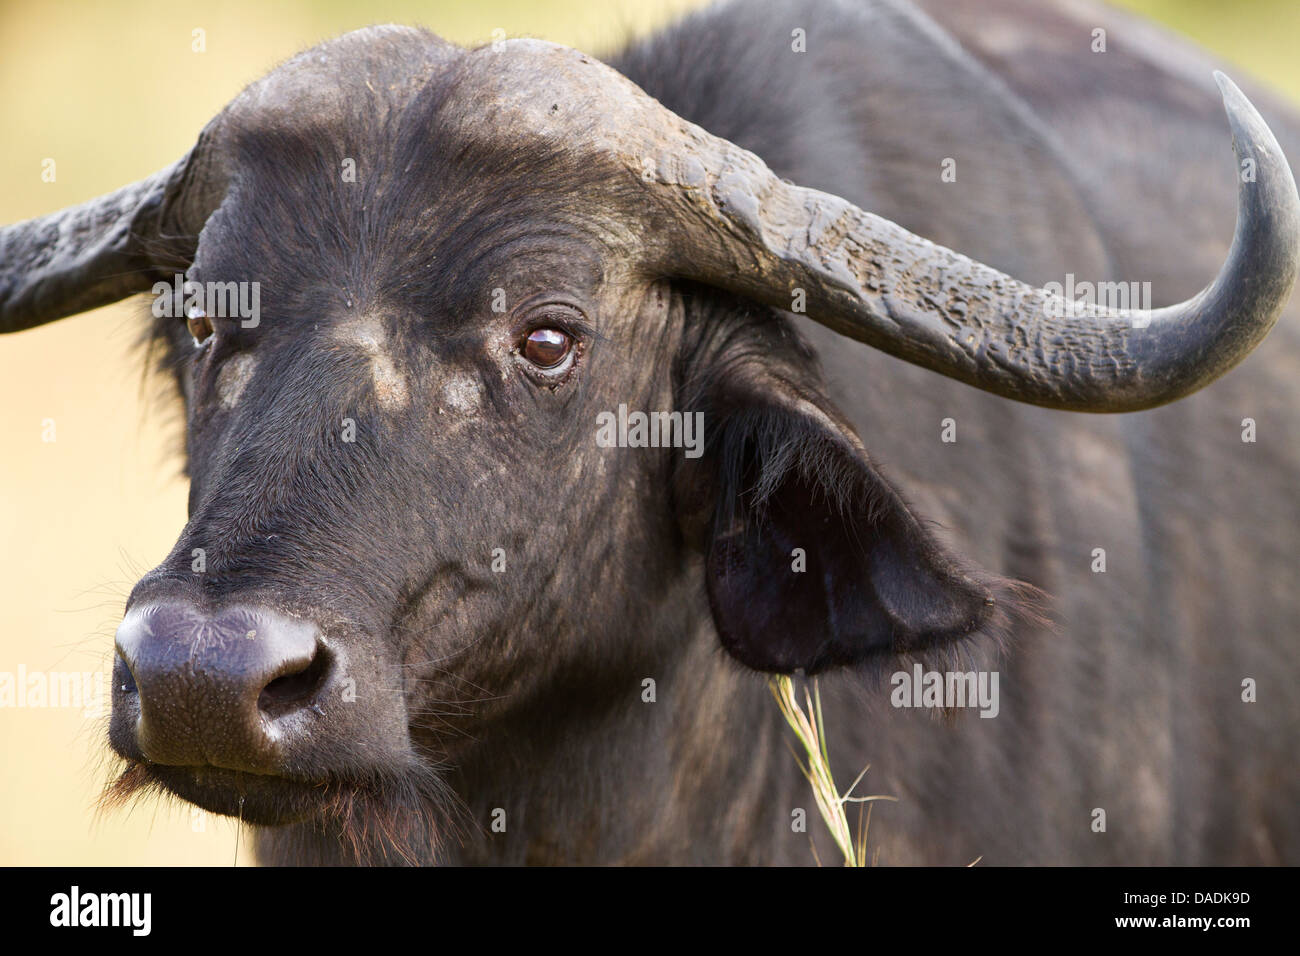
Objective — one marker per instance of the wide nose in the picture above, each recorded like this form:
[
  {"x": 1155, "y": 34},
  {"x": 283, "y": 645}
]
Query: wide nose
[{"x": 223, "y": 690}]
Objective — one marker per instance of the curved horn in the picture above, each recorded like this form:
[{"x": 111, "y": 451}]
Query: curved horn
[
  {"x": 105, "y": 249},
  {"x": 867, "y": 278}
]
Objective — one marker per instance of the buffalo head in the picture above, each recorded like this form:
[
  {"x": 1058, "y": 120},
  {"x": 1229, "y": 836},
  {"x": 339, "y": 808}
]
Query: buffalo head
[{"x": 450, "y": 267}]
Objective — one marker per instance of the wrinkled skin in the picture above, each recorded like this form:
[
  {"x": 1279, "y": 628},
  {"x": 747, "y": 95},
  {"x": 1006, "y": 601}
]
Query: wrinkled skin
[{"x": 521, "y": 689}]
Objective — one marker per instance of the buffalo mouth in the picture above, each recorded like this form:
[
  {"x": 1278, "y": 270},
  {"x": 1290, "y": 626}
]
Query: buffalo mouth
[
  {"x": 398, "y": 815},
  {"x": 260, "y": 799}
]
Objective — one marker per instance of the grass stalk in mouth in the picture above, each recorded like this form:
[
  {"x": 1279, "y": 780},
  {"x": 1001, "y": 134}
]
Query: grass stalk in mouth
[{"x": 806, "y": 721}]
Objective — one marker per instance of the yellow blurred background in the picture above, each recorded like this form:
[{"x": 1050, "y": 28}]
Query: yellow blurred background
[{"x": 111, "y": 91}]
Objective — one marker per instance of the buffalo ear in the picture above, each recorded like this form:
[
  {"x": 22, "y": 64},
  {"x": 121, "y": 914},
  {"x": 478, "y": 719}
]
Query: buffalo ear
[{"x": 813, "y": 559}]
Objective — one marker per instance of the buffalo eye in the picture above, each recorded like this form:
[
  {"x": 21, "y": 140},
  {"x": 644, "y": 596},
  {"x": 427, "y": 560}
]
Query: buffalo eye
[
  {"x": 547, "y": 348},
  {"x": 196, "y": 320}
]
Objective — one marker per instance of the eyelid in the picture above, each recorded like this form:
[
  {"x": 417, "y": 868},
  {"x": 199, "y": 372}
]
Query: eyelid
[
  {"x": 557, "y": 315},
  {"x": 562, "y": 315}
]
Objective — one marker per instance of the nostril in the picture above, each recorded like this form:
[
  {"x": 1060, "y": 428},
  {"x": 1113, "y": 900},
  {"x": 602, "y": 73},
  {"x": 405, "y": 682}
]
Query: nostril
[
  {"x": 123, "y": 677},
  {"x": 233, "y": 687},
  {"x": 294, "y": 690}
]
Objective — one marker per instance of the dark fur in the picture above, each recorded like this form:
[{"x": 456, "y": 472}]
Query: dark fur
[{"x": 522, "y": 692}]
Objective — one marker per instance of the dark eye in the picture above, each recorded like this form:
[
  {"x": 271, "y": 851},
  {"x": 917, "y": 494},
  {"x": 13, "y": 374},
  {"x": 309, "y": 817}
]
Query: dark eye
[{"x": 547, "y": 348}]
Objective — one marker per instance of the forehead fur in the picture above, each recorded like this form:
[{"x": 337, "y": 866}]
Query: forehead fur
[
  {"x": 384, "y": 170},
  {"x": 379, "y": 69},
  {"x": 366, "y": 333}
]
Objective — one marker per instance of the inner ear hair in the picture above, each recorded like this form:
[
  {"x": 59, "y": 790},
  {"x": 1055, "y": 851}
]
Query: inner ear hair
[{"x": 783, "y": 469}]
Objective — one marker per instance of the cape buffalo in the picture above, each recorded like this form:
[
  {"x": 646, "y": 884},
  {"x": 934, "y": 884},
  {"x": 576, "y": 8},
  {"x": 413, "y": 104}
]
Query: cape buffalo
[{"x": 538, "y": 408}]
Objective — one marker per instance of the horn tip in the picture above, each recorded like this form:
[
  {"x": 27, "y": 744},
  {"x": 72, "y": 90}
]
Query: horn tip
[{"x": 1248, "y": 127}]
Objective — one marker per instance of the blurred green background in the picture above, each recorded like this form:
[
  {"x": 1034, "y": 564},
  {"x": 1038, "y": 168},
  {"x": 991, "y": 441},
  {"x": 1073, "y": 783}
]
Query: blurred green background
[{"x": 112, "y": 91}]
